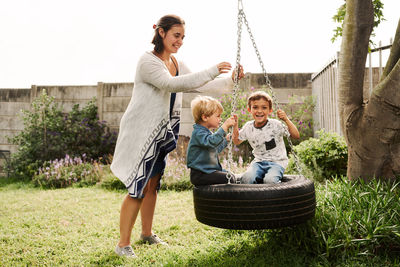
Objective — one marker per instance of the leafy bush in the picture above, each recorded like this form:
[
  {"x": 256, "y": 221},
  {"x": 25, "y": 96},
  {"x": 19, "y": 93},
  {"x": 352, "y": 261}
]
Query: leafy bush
[
  {"x": 322, "y": 157},
  {"x": 50, "y": 134},
  {"x": 61, "y": 173}
]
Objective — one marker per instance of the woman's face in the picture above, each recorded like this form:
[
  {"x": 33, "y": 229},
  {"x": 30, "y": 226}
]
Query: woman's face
[{"x": 173, "y": 39}]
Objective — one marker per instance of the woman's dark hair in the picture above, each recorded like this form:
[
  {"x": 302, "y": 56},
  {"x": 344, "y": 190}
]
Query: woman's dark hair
[{"x": 166, "y": 23}]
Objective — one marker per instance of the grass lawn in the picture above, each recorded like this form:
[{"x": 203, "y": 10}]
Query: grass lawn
[{"x": 79, "y": 227}]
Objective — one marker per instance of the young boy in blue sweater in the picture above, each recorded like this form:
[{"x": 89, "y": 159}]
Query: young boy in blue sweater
[{"x": 204, "y": 146}]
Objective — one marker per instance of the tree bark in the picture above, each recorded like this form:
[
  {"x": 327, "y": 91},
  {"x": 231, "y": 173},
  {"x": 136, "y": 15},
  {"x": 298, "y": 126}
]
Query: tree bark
[{"x": 372, "y": 129}]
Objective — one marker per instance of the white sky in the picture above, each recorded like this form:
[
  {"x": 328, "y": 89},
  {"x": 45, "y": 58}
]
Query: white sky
[{"x": 78, "y": 42}]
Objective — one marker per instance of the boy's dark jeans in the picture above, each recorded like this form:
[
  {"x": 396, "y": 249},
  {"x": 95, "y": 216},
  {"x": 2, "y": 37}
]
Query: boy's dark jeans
[{"x": 201, "y": 178}]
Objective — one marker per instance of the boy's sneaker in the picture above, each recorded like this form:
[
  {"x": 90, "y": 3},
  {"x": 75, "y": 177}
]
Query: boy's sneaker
[
  {"x": 153, "y": 239},
  {"x": 126, "y": 251}
]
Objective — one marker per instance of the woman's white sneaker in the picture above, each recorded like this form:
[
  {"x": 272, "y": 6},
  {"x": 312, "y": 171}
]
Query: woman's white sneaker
[
  {"x": 126, "y": 251},
  {"x": 153, "y": 239}
]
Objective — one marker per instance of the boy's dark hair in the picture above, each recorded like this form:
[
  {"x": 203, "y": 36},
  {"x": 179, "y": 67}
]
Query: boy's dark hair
[
  {"x": 166, "y": 23},
  {"x": 257, "y": 95}
]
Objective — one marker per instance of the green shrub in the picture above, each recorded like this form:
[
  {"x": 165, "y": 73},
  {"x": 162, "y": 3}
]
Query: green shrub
[
  {"x": 61, "y": 173},
  {"x": 321, "y": 158},
  {"x": 50, "y": 134}
]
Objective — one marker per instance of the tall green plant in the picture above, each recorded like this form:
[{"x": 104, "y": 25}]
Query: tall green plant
[
  {"x": 35, "y": 141},
  {"x": 353, "y": 220}
]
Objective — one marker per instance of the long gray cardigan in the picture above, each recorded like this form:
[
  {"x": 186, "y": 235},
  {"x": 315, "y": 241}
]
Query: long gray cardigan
[{"x": 146, "y": 126}]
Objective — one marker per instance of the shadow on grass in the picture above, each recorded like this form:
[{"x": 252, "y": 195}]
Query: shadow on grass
[
  {"x": 256, "y": 249},
  {"x": 263, "y": 255},
  {"x": 276, "y": 248}
]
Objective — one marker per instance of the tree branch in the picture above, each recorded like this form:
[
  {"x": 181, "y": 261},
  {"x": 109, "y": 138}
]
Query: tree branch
[
  {"x": 358, "y": 24},
  {"x": 387, "y": 90},
  {"x": 394, "y": 54}
]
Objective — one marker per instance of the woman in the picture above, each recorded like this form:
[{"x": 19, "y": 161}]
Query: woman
[{"x": 150, "y": 125}]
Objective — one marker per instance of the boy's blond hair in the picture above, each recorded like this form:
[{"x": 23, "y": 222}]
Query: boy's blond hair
[
  {"x": 204, "y": 105},
  {"x": 257, "y": 95}
]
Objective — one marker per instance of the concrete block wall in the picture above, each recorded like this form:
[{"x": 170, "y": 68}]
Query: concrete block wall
[
  {"x": 12, "y": 101},
  {"x": 284, "y": 84},
  {"x": 113, "y": 98}
]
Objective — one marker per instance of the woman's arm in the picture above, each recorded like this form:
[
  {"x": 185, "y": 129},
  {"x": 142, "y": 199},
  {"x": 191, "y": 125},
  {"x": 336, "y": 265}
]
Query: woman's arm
[
  {"x": 223, "y": 84},
  {"x": 154, "y": 72}
]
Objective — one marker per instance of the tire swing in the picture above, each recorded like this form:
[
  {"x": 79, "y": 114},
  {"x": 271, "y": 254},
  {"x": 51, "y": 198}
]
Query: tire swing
[{"x": 255, "y": 206}]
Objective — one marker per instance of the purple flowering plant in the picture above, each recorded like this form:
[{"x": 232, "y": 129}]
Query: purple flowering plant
[{"x": 68, "y": 171}]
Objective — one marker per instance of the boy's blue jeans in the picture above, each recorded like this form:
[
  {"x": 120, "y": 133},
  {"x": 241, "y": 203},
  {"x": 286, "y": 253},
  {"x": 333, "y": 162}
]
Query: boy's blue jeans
[{"x": 263, "y": 172}]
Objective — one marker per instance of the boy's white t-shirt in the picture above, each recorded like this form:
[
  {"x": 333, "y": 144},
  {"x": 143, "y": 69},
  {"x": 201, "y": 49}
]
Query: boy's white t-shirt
[{"x": 267, "y": 141}]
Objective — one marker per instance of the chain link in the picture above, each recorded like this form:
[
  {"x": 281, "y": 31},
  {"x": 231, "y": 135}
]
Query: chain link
[
  {"x": 242, "y": 19},
  {"x": 229, "y": 174},
  {"x": 269, "y": 87}
]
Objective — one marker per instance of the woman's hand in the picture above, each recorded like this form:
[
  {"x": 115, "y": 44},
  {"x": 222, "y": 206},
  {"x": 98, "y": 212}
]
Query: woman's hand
[
  {"x": 241, "y": 73},
  {"x": 224, "y": 67}
]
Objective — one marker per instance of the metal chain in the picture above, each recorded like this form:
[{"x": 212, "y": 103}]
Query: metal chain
[
  {"x": 270, "y": 88},
  {"x": 241, "y": 19},
  {"x": 229, "y": 174}
]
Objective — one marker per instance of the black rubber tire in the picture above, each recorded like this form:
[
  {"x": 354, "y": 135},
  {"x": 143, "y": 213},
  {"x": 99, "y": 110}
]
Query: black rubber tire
[{"x": 256, "y": 206}]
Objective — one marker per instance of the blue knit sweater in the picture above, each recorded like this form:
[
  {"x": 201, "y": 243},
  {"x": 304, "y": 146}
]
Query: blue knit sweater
[{"x": 204, "y": 147}]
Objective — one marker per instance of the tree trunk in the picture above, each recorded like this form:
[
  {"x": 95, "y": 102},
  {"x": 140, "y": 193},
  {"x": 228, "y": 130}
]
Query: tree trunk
[{"x": 372, "y": 129}]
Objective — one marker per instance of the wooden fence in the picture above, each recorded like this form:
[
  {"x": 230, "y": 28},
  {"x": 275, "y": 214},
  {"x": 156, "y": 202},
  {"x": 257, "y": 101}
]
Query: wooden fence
[{"x": 325, "y": 89}]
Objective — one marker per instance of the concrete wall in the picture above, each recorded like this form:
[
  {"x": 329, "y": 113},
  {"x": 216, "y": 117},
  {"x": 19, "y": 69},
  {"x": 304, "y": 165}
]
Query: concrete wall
[
  {"x": 113, "y": 98},
  {"x": 12, "y": 101}
]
